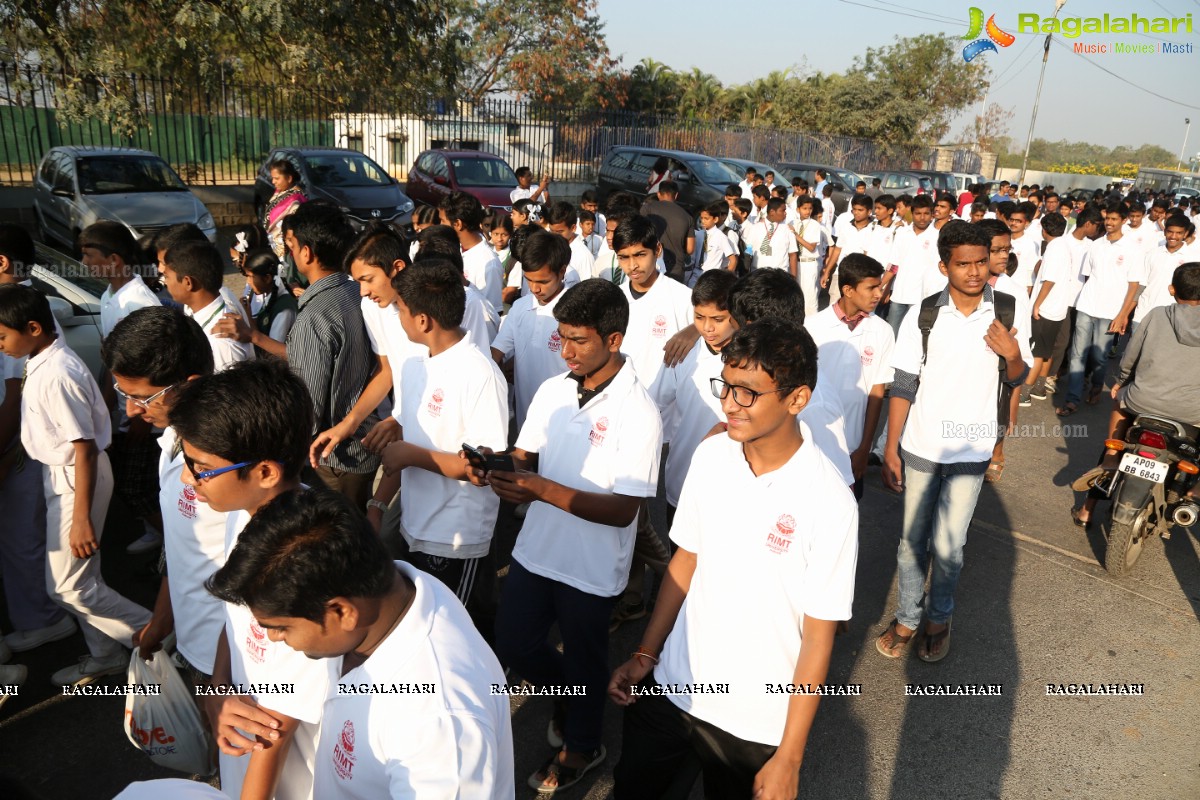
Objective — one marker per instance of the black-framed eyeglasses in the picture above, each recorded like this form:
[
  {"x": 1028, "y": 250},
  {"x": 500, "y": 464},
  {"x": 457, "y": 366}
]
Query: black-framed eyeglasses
[
  {"x": 744, "y": 396},
  {"x": 211, "y": 473},
  {"x": 142, "y": 402},
  {"x": 1002, "y": 249}
]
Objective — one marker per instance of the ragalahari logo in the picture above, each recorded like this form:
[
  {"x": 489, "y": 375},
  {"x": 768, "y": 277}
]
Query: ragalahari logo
[{"x": 995, "y": 36}]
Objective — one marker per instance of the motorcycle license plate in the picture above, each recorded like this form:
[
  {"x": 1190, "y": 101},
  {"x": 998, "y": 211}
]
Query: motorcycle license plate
[{"x": 1145, "y": 468}]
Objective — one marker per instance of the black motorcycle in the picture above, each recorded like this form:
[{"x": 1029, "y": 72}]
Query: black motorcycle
[{"x": 1149, "y": 490}]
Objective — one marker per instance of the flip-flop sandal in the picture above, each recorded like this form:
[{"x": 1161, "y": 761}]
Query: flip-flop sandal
[
  {"x": 1067, "y": 410},
  {"x": 1093, "y": 396},
  {"x": 1079, "y": 521},
  {"x": 898, "y": 643},
  {"x": 565, "y": 776},
  {"x": 1093, "y": 477},
  {"x": 995, "y": 472},
  {"x": 928, "y": 640}
]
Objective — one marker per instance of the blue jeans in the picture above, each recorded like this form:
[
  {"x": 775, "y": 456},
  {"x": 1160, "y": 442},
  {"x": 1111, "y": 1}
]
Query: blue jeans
[
  {"x": 1089, "y": 347},
  {"x": 529, "y": 606},
  {"x": 896, "y": 316},
  {"x": 937, "y": 513}
]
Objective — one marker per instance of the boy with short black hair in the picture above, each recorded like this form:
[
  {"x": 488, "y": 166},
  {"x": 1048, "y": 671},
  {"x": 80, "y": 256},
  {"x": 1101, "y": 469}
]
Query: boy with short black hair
[
  {"x": 339, "y": 597},
  {"x": 586, "y": 458},
  {"x": 802, "y": 528},
  {"x": 772, "y": 240},
  {"x": 527, "y": 189},
  {"x": 245, "y": 437},
  {"x": 759, "y": 197},
  {"x": 586, "y": 230},
  {"x": 560, "y": 219},
  {"x": 108, "y": 249},
  {"x": 809, "y": 236},
  {"x": 914, "y": 260},
  {"x": 850, "y": 322},
  {"x": 463, "y": 212},
  {"x": 719, "y": 252},
  {"x": 853, "y": 233},
  {"x": 1053, "y": 294},
  {"x": 192, "y": 273},
  {"x": 65, "y": 426},
  {"x": 1027, "y": 249},
  {"x": 942, "y": 373}
]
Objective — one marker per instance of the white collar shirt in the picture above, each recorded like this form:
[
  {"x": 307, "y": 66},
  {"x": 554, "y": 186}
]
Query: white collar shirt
[
  {"x": 485, "y": 271},
  {"x": 1062, "y": 267},
  {"x": 914, "y": 254},
  {"x": 852, "y": 239},
  {"x": 688, "y": 387},
  {"x": 654, "y": 318},
  {"x": 1028, "y": 253},
  {"x": 782, "y": 243},
  {"x": 529, "y": 335},
  {"x": 1109, "y": 269},
  {"x": 226, "y": 352},
  {"x": 717, "y": 249},
  {"x": 1155, "y": 272},
  {"x": 116, "y": 306},
  {"x": 872, "y": 342},
  {"x": 61, "y": 404}
]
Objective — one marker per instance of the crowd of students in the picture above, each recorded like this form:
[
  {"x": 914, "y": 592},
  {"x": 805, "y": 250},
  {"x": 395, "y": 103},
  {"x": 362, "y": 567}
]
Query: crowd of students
[{"x": 326, "y": 461}]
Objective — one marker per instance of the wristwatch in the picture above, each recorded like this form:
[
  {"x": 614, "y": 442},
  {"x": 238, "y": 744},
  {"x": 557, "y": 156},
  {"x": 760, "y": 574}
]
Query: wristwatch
[{"x": 373, "y": 503}]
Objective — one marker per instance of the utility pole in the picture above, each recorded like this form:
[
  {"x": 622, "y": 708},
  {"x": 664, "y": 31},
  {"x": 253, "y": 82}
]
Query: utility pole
[
  {"x": 1058, "y": 4},
  {"x": 1186, "y": 130}
]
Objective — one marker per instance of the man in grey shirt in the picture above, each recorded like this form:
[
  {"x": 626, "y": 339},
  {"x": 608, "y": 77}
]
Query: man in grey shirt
[
  {"x": 328, "y": 346},
  {"x": 675, "y": 229}
]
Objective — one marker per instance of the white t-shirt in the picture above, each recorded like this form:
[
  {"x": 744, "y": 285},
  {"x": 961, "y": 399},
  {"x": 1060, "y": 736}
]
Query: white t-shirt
[
  {"x": 226, "y": 352},
  {"x": 654, "y": 318},
  {"x": 1023, "y": 312},
  {"x": 851, "y": 239},
  {"x": 255, "y": 659},
  {"x": 782, "y": 243},
  {"x": 582, "y": 260},
  {"x": 529, "y": 335},
  {"x": 524, "y": 194},
  {"x": 915, "y": 255},
  {"x": 1109, "y": 269},
  {"x": 953, "y": 417},
  {"x": 611, "y": 445},
  {"x": 485, "y": 271},
  {"x": 810, "y": 231},
  {"x": 784, "y": 551},
  {"x": 1145, "y": 237},
  {"x": 872, "y": 341},
  {"x": 881, "y": 241},
  {"x": 688, "y": 386},
  {"x": 454, "y": 397},
  {"x": 1027, "y": 252},
  {"x": 61, "y": 404},
  {"x": 481, "y": 320},
  {"x": 194, "y": 540},
  {"x": 115, "y": 307},
  {"x": 433, "y": 728},
  {"x": 717, "y": 250},
  {"x": 1062, "y": 265},
  {"x": 1155, "y": 273}
]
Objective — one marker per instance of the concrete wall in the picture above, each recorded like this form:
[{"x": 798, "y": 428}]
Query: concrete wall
[{"x": 1061, "y": 181}]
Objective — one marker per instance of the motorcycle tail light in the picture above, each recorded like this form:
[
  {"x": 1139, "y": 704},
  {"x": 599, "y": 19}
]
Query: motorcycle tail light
[
  {"x": 1188, "y": 467},
  {"x": 1147, "y": 454},
  {"x": 1114, "y": 444},
  {"x": 1152, "y": 439}
]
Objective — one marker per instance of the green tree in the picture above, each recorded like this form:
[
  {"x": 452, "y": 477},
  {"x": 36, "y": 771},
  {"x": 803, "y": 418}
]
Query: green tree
[{"x": 654, "y": 88}]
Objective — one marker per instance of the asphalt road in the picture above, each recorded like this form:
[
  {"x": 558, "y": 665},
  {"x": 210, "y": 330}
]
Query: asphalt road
[{"x": 1035, "y": 607}]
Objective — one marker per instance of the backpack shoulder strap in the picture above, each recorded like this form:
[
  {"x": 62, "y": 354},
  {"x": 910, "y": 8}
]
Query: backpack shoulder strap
[
  {"x": 928, "y": 316},
  {"x": 1006, "y": 311}
]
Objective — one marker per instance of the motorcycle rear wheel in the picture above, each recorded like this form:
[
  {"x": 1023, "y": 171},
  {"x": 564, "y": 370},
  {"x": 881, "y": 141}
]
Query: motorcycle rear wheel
[{"x": 1125, "y": 542}]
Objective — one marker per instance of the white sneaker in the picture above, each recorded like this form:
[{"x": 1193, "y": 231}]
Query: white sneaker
[
  {"x": 89, "y": 669},
  {"x": 151, "y": 540},
  {"x": 21, "y": 641},
  {"x": 13, "y": 675}
]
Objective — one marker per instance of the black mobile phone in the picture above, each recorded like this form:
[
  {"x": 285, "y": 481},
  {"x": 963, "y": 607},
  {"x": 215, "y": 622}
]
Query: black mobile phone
[
  {"x": 501, "y": 462},
  {"x": 475, "y": 458}
]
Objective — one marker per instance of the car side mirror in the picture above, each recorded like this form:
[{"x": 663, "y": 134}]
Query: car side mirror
[
  {"x": 64, "y": 312},
  {"x": 441, "y": 180},
  {"x": 59, "y": 191}
]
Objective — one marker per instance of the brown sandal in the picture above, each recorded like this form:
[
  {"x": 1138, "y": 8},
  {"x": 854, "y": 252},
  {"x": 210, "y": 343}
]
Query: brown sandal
[
  {"x": 890, "y": 643},
  {"x": 995, "y": 472},
  {"x": 929, "y": 640}
]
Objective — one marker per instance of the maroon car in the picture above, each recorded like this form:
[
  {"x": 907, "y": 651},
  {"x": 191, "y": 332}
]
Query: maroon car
[{"x": 437, "y": 173}]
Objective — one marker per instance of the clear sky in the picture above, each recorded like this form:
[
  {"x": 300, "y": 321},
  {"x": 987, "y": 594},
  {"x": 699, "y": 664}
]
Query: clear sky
[{"x": 740, "y": 41}]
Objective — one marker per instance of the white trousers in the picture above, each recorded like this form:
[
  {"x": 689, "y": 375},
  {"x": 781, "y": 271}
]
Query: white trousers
[{"x": 810, "y": 279}]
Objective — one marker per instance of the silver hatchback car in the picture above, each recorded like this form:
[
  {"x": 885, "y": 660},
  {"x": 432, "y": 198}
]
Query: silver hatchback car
[{"x": 76, "y": 186}]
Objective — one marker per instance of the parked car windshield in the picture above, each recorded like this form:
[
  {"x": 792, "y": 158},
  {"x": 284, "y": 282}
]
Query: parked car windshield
[
  {"x": 126, "y": 174},
  {"x": 482, "y": 172},
  {"x": 345, "y": 170},
  {"x": 711, "y": 171}
]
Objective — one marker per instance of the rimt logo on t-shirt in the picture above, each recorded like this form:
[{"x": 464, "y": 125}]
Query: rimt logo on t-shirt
[
  {"x": 343, "y": 752},
  {"x": 659, "y": 330},
  {"x": 599, "y": 431},
  {"x": 256, "y": 643},
  {"x": 780, "y": 537},
  {"x": 554, "y": 343},
  {"x": 868, "y": 356},
  {"x": 187, "y": 502},
  {"x": 435, "y": 403}
]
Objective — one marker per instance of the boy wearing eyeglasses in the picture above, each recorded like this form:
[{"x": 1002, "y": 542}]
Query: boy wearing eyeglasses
[
  {"x": 150, "y": 354},
  {"x": 236, "y": 463},
  {"x": 65, "y": 426},
  {"x": 777, "y": 567}
]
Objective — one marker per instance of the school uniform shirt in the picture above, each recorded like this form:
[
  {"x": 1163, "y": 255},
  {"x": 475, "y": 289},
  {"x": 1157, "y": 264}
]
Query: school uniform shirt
[
  {"x": 782, "y": 243},
  {"x": 654, "y": 318},
  {"x": 61, "y": 404},
  {"x": 952, "y": 420},
  {"x": 1154, "y": 273},
  {"x": 456, "y": 396},
  {"x": 784, "y": 551},
  {"x": 481, "y": 320},
  {"x": 433, "y": 728},
  {"x": 879, "y": 245},
  {"x": 1144, "y": 237},
  {"x": 913, "y": 254},
  {"x": 524, "y": 194},
  {"x": 827, "y": 213},
  {"x": 716, "y": 248},
  {"x": 1023, "y": 312},
  {"x": 687, "y": 386},
  {"x": 226, "y": 352},
  {"x": 810, "y": 231},
  {"x": 255, "y": 659},
  {"x": 612, "y": 446},
  {"x": 1027, "y": 252},
  {"x": 1062, "y": 265},
  {"x": 872, "y": 341},
  {"x": 851, "y": 239},
  {"x": 1109, "y": 269},
  {"x": 582, "y": 260},
  {"x": 194, "y": 541},
  {"x": 529, "y": 336},
  {"x": 116, "y": 306},
  {"x": 485, "y": 271}
]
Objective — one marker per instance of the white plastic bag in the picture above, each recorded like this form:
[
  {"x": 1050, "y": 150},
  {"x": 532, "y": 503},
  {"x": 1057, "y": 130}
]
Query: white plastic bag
[{"x": 167, "y": 726}]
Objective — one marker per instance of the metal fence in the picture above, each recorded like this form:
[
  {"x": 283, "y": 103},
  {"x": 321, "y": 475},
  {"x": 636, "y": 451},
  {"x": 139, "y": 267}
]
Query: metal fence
[{"x": 220, "y": 131}]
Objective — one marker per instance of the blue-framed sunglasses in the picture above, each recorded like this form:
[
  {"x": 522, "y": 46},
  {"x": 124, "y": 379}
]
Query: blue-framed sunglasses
[{"x": 211, "y": 473}]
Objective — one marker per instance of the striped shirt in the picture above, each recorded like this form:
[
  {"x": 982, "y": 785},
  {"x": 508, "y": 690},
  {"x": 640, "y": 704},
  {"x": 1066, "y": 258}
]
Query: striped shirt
[{"x": 329, "y": 350}]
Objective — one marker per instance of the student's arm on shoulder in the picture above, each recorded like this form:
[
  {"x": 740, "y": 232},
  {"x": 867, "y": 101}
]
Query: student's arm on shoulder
[{"x": 266, "y": 765}]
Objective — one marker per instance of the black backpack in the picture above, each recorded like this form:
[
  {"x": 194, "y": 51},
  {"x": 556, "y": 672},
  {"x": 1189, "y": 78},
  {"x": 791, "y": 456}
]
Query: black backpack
[{"x": 1006, "y": 311}]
